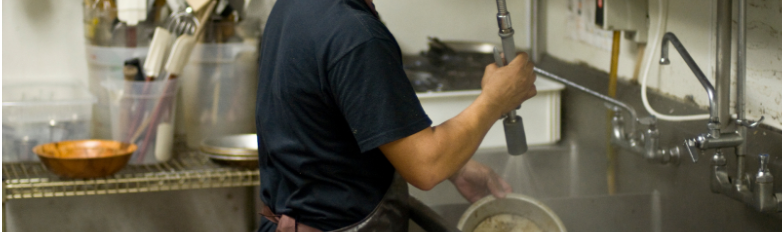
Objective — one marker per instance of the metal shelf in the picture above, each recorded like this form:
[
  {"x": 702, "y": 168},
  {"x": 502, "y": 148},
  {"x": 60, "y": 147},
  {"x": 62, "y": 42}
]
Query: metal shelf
[{"x": 189, "y": 170}]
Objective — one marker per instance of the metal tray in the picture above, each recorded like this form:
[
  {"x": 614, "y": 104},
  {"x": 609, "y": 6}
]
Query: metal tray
[{"x": 232, "y": 145}]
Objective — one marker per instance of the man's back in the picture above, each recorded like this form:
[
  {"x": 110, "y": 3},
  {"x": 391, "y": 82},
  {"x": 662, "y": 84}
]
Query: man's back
[{"x": 331, "y": 91}]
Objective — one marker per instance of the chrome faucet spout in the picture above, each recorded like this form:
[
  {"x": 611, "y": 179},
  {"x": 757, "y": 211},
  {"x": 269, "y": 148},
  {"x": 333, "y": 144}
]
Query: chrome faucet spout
[
  {"x": 670, "y": 37},
  {"x": 605, "y": 98}
]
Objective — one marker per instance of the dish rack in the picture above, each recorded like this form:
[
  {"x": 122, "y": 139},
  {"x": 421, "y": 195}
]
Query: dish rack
[{"x": 188, "y": 170}]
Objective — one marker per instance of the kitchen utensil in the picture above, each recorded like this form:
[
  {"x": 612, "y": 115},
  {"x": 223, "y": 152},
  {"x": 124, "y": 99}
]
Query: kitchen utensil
[
  {"x": 514, "y": 204},
  {"x": 182, "y": 22},
  {"x": 158, "y": 49},
  {"x": 176, "y": 5},
  {"x": 235, "y": 150},
  {"x": 234, "y": 161},
  {"x": 180, "y": 53},
  {"x": 132, "y": 70},
  {"x": 132, "y": 102},
  {"x": 232, "y": 145},
  {"x": 184, "y": 44},
  {"x": 179, "y": 23},
  {"x": 85, "y": 158},
  {"x": 197, "y": 4}
]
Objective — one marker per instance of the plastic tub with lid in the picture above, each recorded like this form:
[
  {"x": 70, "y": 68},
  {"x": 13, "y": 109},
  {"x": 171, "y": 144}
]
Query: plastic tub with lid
[{"x": 36, "y": 114}]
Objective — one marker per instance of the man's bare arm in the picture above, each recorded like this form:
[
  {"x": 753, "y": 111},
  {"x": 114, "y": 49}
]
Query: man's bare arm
[{"x": 432, "y": 155}]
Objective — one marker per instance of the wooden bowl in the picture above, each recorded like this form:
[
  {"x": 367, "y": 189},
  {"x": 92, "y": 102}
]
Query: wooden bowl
[{"x": 85, "y": 158}]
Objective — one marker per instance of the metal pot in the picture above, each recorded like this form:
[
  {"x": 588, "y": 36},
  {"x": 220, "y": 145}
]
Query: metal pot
[{"x": 514, "y": 204}]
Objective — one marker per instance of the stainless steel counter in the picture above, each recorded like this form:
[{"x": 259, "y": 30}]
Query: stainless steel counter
[{"x": 570, "y": 176}]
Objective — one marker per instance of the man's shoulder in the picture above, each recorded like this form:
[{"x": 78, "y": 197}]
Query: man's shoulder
[
  {"x": 357, "y": 24},
  {"x": 354, "y": 28},
  {"x": 329, "y": 28}
]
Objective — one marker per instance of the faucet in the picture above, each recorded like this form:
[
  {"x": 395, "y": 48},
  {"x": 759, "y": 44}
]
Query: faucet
[
  {"x": 714, "y": 114},
  {"x": 649, "y": 148},
  {"x": 760, "y": 196},
  {"x": 714, "y": 139},
  {"x": 644, "y": 142}
]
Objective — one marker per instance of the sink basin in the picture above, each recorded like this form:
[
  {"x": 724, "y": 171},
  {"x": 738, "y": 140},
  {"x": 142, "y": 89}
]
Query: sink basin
[
  {"x": 549, "y": 174},
  {"x": 597, "y": 213}
]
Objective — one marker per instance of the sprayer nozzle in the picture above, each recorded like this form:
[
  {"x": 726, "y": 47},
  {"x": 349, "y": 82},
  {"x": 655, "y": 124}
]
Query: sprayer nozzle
[{"x": 514, "y": 135}]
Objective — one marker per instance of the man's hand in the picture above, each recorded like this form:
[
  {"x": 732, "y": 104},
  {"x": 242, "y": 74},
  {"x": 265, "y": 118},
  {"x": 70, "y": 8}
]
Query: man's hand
[
  {"x": 430, "y": 156},
  {"x": 509, "y": 86},
  {"x": 475, "y": 181}
]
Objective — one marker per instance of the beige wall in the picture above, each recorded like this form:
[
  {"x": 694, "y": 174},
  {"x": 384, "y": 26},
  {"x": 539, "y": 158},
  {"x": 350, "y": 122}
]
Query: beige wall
[
  {"x": 692, "y": 21},
  {"x": 43, "y": 41},
  {"x": 413, "y": 21}
]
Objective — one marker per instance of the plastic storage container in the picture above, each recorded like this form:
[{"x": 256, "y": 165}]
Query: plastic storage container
[
  {"x": 105, "y": 64},
  {"x": 143, "y": 113},
  {"x": 541, "y": 114},
  {"x": 109, "y": 43},
  {"x": 219, "y": 87},
  {"x": 36, "y": 114}
]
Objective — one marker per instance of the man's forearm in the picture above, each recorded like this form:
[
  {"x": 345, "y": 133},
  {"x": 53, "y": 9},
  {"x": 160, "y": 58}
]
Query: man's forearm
[
  {"x": 438, "y": 152},
  {"x": 460, "y": 136}
]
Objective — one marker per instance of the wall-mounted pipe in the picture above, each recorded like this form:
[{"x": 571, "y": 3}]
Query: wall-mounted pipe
[
  {"x": 722, "y": 70},
  {"x": 741, "y": 72}
]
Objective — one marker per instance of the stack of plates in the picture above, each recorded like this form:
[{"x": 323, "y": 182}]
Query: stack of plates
[{"x": 233, "y": 150}]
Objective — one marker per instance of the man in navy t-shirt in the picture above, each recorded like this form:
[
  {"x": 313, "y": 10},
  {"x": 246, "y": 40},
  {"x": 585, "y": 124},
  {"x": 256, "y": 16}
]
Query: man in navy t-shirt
[{"x": 337, "y": 117}]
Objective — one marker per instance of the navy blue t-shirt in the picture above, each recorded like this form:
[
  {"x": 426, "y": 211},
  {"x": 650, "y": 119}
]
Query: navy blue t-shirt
[{"x": 331, "y": 90}]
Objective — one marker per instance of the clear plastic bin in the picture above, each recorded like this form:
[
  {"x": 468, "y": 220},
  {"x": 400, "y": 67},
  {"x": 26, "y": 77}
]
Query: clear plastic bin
[
  {"x": 105, "y": 64},
  {"x": 219, "y": 87},
  {"x": 143, "y": 113},
  {"x": 36, "y": 114}
]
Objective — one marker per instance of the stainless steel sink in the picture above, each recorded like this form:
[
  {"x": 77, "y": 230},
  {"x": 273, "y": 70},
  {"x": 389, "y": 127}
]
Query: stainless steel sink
[{"x": 551, "y": 175}]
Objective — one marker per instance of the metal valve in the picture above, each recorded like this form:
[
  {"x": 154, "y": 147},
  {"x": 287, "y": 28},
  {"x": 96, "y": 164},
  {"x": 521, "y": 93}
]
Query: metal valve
[
  {"x": 750, "y": 123},
  {"x": 693, "y": 149},
  {"x": 764, "y": 175}
]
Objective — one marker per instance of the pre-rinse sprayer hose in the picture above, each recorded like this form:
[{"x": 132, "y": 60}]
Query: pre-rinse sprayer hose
[{"x": 661, "y": 21}]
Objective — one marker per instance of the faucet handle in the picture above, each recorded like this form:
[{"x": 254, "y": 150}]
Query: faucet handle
[
  {"x": 763, "y": 162},
  {"x": 749, "y": 123},
  {"x": 665, "y": 60},
  {"x": 692, "y": 148},
  {"x": 764, "y": 175},
  {"x": 650, "y": 121}
]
